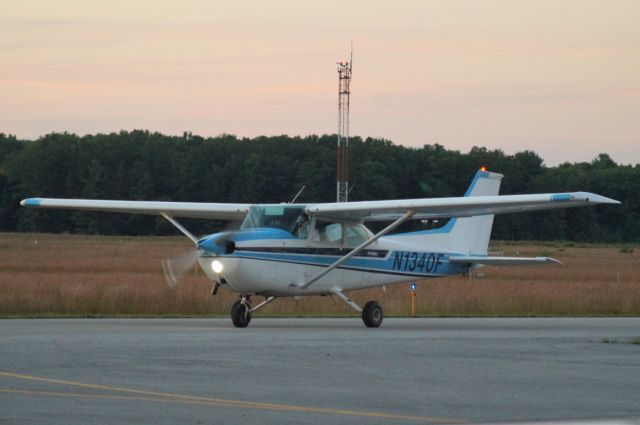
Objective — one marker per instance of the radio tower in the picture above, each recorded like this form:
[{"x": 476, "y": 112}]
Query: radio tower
[{"x": 342, "y": 173}]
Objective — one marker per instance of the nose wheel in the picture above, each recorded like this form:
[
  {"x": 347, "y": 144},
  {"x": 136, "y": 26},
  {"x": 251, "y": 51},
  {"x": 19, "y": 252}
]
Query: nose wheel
[
  {"x": 241, "y": 310},
  {"x": 241, "y": 313}
]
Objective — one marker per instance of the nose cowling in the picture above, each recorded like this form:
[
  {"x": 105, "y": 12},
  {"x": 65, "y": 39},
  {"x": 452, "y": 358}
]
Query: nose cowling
[
  {"x": 224, "y": 243},
  {"x": 218, "y": 243}
]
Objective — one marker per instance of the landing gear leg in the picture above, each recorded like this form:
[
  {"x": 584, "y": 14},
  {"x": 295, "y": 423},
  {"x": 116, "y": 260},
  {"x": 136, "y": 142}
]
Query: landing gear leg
[
  {"x": 241, "y": 313},
  {"x": 371, "y": 313}
]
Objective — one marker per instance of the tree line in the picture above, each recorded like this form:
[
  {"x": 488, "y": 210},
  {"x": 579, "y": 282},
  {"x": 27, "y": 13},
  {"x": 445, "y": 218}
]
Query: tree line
[{"x": 143, "y": 165}]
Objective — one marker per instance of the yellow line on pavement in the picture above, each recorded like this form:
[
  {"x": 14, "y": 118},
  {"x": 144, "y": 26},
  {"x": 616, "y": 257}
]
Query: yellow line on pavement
[{"x": 154, "y": 396}]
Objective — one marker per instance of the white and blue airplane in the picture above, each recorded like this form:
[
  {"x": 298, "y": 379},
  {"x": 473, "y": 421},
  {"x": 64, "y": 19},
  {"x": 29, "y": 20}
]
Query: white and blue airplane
[{"x": 292, "y": 250}]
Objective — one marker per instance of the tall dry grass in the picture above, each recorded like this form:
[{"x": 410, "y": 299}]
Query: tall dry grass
[{"x": 71, "y": 275}]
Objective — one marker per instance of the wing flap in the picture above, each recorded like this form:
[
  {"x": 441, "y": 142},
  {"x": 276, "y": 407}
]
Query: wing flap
[{"x": 174, "y": 209}]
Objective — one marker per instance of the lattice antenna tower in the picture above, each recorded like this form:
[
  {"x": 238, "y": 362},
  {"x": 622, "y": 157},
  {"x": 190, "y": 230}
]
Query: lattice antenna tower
[{"x": 342, "y": 173}]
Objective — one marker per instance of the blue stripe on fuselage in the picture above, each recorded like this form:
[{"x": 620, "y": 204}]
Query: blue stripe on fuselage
[{"x": 397, "y": 262}]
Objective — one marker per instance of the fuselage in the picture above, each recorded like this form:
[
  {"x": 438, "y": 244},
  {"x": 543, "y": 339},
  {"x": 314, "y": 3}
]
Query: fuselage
[{"x": 278, "y": 260}]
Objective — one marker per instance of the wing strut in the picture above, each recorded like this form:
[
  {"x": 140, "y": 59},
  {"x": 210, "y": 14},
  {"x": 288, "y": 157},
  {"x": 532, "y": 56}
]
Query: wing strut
[
  {"x": 180, "y": 227},
  {"x": 359, "y": 248}
]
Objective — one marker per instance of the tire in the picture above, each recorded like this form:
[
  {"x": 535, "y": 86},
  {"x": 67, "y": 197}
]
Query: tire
[
  {"x": 239, "y": 315},
  {"x": 372, "y": 314}
]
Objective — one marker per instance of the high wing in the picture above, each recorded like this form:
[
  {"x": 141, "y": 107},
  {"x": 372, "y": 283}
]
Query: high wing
[
  {"x": 173, "y": 209},
  {"x": 365, "y": 210},
  {"x": 454, "y": 207}
]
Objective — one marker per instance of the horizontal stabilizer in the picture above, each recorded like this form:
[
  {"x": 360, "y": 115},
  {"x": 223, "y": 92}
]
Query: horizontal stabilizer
[{"x": 501, "y": 261}]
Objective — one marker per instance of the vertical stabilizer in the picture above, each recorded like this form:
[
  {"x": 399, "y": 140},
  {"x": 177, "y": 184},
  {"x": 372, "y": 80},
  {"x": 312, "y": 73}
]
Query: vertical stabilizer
[
  {"x": 470, "y": 235},
  {"x": 465, "y": 235}
]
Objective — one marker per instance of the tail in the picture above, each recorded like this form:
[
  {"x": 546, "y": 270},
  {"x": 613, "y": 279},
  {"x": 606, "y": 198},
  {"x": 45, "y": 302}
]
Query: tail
[
  {"x": 466, "y": 235},
  {"x": 470, "y": 235}
]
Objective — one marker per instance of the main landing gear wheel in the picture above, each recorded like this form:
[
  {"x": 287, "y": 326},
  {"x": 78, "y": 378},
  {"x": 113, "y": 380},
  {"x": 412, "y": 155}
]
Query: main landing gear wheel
[
  {"x": 372, "y": 314},
  {"x": 240, "y": 314}
]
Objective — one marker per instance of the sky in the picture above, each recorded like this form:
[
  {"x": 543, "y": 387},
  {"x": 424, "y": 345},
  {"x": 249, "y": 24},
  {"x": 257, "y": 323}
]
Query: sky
[{"x": 559, "y": 77}]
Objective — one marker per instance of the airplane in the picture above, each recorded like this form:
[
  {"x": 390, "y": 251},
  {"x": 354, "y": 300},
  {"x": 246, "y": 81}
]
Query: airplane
[{"x": 294, "y": 250}]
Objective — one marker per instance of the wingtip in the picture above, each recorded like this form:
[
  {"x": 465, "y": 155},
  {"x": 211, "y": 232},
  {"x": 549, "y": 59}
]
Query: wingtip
[
  {"x": 604, "y": 200},
  {"x": 30, "y": 202},
  {"x": 593, "y": 198},
  {"x": 548, "y": 260}
]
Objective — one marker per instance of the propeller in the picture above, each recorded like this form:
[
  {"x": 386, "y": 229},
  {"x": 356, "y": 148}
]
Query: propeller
[{"x": 175, "y": 268}]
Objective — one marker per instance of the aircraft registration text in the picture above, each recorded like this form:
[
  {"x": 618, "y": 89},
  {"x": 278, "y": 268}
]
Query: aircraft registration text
[{"x": 417, "y": 261}]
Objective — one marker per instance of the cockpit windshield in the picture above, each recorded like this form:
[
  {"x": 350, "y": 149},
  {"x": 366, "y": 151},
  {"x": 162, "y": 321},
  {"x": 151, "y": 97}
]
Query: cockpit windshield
[{"x": 286, "y": 217}]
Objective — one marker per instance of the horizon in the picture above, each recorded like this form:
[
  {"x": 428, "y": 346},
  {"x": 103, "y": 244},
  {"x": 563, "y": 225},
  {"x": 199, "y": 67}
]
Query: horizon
[{"x": 558, "y": 79}]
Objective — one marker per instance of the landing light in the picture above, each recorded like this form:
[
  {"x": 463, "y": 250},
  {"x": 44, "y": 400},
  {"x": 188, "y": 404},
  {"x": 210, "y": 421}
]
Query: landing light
[{"x": 216, "y": 266}]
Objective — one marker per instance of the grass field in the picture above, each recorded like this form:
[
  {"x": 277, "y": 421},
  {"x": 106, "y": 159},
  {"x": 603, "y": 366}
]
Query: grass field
[{"x": 45, "y": 275}]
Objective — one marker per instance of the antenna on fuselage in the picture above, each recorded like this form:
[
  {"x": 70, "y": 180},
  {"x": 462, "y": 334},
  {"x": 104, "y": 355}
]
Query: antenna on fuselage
[{"x": 304, "y": 186}]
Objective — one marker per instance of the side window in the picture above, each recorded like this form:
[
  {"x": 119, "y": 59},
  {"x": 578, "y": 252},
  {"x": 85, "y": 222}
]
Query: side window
[
  {"x": 328, "y": 232},
  {"x": 356, "y": 235}
]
